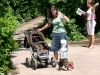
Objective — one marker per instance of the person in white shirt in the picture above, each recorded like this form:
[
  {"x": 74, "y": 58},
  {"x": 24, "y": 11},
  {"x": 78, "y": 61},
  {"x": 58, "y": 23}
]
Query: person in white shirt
[
  {"x": 63, "y": 50},
  {"x": 63, "y": 55},
  {"x": 91, "y": 23}
]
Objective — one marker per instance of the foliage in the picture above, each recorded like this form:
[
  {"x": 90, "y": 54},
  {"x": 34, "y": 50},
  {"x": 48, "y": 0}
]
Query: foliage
[
  {"x": 73, "y": 32},
  {"x": 98, "y": 33},
  {"x": 1, "y": 73},
  {"x": 8, "y": 24},
  {"x": 27, "y": 9}
]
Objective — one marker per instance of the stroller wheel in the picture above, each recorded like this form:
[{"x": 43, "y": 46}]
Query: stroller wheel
[
  {"x": 27, "y": 62},
  {"x": 53, "y": 62},
  {"x": 34, "y": 63},
  {"x": 46, "y": 63}
]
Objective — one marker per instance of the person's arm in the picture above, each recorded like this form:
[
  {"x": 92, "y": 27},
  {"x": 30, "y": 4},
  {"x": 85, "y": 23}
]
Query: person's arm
[
  {"x": 64, "y": 17},
  {"x": 44, "y": 27},
  {"x": 94, "y": 6},
  {"x": 80, "y": 10},
  {"x": 83, "y": 12}
]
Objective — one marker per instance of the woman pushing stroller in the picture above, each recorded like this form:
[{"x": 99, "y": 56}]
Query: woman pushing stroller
[{"x": 59, "y": 32}]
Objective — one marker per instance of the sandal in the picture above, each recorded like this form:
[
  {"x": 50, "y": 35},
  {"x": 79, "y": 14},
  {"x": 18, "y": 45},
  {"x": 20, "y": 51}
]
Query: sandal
[{"x": 91, "y": 47}]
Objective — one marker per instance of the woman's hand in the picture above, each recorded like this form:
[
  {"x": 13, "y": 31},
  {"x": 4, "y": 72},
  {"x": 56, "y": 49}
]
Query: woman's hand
[
  {"x": 94, "y": 6},
  {"x": 97, "y": 4},
  {"x": 43, "y": 28},
  {"x": 39, "y": 30}
]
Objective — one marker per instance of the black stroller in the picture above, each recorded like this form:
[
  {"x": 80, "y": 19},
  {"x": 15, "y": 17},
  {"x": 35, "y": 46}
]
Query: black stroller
[{"x": 39, "y": 51}]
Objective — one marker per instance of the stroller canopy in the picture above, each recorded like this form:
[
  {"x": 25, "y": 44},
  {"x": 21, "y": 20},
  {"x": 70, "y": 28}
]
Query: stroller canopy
[{"x": 35, "y": 36}]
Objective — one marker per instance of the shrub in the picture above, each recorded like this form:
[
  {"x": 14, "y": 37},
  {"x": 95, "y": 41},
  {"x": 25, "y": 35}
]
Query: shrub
[
  {"x": 73, "y": 31},
  {"x": 8, "y": 24}
]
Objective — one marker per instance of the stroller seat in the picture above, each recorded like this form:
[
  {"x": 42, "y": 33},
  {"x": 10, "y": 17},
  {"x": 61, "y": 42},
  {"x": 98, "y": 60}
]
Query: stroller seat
[
  {"x": 42, "y": 51},
  {"x": 41, "y": 47}
]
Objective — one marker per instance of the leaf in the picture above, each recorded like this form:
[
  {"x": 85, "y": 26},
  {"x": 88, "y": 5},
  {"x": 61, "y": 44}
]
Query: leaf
[{"x": 1, "y": 73}]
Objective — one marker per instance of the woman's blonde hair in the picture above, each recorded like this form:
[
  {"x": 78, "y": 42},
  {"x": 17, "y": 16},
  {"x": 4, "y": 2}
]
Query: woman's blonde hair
[{"x": 91, "y": 2}]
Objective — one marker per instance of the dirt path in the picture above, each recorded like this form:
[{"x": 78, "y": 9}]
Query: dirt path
[
  {"x": 19, "y": 33},
  {"x": 86, "y": 61}
]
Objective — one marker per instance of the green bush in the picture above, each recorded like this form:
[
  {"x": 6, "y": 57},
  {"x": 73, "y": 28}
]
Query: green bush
[
  {"x": 8, "y": 24},
  {"x": 98, "y": 33},
  {"x": 1, "y": 73},
  {"x": 73, "y": 31}
]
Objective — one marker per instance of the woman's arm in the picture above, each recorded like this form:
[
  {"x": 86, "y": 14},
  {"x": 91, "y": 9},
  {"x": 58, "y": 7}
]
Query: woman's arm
[
  {"x": 79, "y": 10},
  {"x": 45, "y": 27},
  {"x": 83, "y": 12},
  {"x": 94, "y": 6},
  {"x": 64, "y": 17}
]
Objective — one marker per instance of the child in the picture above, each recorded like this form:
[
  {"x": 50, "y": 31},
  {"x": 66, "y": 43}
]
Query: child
[{"x": 63, "y": 56}]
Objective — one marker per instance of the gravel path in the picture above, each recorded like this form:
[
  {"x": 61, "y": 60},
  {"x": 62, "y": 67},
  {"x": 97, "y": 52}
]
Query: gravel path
[{"x": 86, "y": 62}]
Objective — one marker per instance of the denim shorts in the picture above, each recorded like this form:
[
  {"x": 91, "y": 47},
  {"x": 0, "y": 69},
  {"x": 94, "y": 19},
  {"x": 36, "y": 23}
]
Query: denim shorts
[{"x": 56, "y": 37}]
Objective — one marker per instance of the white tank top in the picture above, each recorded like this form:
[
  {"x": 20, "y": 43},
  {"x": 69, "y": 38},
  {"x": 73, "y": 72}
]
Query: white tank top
[{"x": 90, "y": 14}]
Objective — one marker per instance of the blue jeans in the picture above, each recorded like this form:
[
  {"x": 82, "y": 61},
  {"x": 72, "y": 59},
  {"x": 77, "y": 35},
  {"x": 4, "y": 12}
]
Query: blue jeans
[{"x": 56, "y": 37}]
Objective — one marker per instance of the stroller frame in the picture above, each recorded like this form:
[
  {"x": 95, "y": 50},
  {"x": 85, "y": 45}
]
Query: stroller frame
[{"x": 38, "y": 55}]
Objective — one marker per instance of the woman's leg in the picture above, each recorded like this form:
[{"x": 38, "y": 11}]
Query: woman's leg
[
  {"x": 56, "y": 55},
  {"x": 92, "y": 41},
  {"x": 89, "y": 41}
]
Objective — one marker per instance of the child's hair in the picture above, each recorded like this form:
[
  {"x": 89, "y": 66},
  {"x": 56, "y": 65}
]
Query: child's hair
[{"x": 92, "y": 2}]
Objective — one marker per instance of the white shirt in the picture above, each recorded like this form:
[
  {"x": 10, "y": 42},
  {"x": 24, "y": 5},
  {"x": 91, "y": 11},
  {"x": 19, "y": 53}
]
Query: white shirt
[
  {"x": 90, "y": 14},
  {"x": 64, "y": 53}
]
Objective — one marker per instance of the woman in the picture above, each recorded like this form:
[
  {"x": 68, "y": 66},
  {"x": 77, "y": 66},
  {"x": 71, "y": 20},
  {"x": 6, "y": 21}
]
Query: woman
[
  {"x": 91, "y": 23},
  {"x": 59, "y": 32}
]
